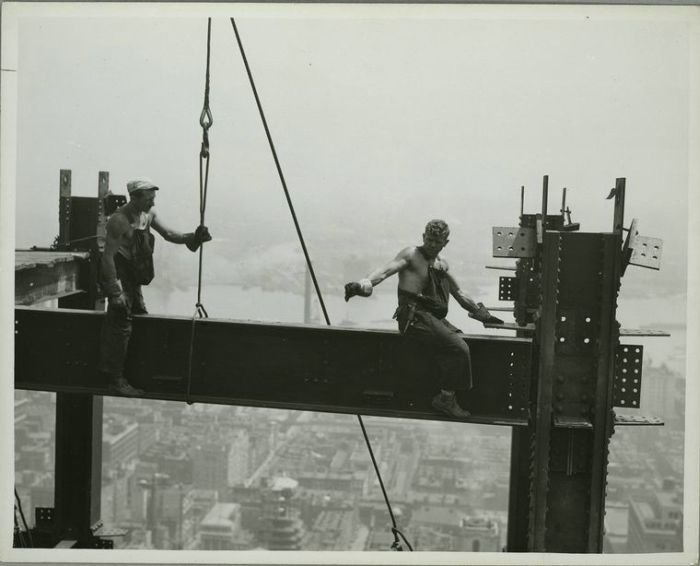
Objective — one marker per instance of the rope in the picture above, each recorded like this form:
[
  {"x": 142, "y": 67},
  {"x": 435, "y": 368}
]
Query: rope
[
  {"x": 396, "y": 544},
  {"x": 24, "y": 521},
  {"x": 18, "y": 532},
  {"x": 396, "y": 532},
  {"x": 205, "y": 121}
]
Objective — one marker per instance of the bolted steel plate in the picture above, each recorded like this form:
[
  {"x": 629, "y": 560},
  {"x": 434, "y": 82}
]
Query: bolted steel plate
[
  {"x": 513, "y": 241},
  {"x": 627, "y": 384}
]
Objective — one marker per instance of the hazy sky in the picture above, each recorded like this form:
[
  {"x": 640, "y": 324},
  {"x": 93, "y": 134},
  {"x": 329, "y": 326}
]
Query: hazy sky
[{"x": 380, "y": 122}]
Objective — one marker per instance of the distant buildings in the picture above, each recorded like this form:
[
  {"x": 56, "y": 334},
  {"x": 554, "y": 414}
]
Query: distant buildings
[
  {"x": 335, "y": 525},
  {"x": 616, "y": 528},
  {"x": 478, "y": 534},
  {"x": 120, "y": 443},
  {"x": 656, "y": 521},
  {"x": 213, "y": 477},
  {"x": 281, "y": 527},
  {"x": 210, "y": 466},
  {"x": 221, "y": 529},
  {"x": 663, "y": 395}
]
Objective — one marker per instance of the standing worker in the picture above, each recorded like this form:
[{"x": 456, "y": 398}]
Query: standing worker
[
  {"x": 425, "y": 284},
  {"x": 127, "y": 263}
]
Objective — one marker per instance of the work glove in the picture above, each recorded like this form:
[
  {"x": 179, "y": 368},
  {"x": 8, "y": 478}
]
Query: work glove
[
  {"x": 483, "y": 315},
  {"x": 117, "y": 302},
  {"x": 197, "y": 238},
  {"x": 362, "y": 288}
]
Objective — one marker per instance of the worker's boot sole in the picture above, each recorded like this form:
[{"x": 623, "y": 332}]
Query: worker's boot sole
[
  {"x": 126, "y": 389},
  {"x": 449, "y": 406}
]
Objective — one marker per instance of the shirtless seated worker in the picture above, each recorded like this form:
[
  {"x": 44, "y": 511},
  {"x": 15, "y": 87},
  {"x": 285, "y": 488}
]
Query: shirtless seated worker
[{"x": 425, "y": 284}]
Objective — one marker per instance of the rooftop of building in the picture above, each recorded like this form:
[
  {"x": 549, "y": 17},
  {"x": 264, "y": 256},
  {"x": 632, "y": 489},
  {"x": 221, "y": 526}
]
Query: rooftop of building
[
  {"x": 221, "y": 515},
  {"x": 114, "y": 431},
  {"x": 280, "y": 483},
  {"x": 436, "y": 514},
  {"x": 616, "y": 520},
  {"x": 670, "y": 500}
]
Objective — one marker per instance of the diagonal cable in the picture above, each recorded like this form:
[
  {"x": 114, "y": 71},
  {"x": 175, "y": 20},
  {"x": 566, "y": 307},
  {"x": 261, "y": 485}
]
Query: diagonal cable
[{"x": 396, "y": 532}]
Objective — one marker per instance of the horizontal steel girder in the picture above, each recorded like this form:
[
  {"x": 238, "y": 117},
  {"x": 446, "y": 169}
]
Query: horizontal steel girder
[
  {"x": 42, "y": 281},
  {"x": 371, "y": 372}
]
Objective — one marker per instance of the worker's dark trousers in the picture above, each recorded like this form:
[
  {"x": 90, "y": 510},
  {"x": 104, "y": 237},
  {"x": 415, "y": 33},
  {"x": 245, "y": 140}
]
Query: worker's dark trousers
[
  {"x": 446, "y": 341},
  {"x": 116, "y": 328}
]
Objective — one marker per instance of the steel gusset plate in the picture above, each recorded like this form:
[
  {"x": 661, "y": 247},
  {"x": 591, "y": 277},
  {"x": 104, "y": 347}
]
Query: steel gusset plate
[
  {"x": 643, "y": 251},
  {"x": 513, "y": 241},
  {"x": 627, "y": 385},
  {"x": 507, "y": 288}
]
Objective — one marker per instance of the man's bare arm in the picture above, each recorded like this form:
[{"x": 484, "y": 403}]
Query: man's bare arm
[
  {"x": 169, "y": 234},
  {"x": 117, "y": 226},
  {"x": 477, "y": 311},
  {"x": 364, "y": 286},
  {"x": 464, "y": 300},
  {"x": 399, "y": 263}
]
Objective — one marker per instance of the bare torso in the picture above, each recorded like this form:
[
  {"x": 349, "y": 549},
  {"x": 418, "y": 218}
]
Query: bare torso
[{"x": 414, "y": 276}]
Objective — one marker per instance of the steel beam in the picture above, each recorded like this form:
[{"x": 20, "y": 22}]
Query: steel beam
[
  {"x": 286, "y": 366},
  {"x": 542, "y": 420},
  {"x": 46, "y": 282}
]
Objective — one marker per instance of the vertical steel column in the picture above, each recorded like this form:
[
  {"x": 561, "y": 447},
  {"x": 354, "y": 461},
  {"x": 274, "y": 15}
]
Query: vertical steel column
[
  {"x": 64, "y": 206},
  {"x": 528, "y": 275},
  {"x": 545, "y": 339},
  {"x": 602, "y": 411},
  {"x": 78, "y": 464},
  {"x": 519, "y": 490},
  {"x": 603, "y": 416},
  {"x": 78, "y": 458}
]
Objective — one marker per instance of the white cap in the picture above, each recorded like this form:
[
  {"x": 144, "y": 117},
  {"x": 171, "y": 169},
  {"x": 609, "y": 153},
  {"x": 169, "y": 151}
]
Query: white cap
[{"x": 140, "y": 184}]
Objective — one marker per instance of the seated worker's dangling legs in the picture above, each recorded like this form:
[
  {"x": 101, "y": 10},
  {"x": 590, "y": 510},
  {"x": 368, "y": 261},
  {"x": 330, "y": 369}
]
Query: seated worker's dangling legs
[
  {"x": 454, "y": 360},
  {"x": 454, "y": 370}
]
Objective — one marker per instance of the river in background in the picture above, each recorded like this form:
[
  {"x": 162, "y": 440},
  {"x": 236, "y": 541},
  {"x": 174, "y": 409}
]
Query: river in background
[{"x": 239, "y": 303}]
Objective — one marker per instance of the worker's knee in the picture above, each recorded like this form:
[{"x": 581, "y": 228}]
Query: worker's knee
[{"x": 458, "y": 346}]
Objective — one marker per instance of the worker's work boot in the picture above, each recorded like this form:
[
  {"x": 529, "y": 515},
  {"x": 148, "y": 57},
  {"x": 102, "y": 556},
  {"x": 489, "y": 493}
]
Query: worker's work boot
[
  {"x": 447, "y": 403},
  {"x": 123, "y": 387}
]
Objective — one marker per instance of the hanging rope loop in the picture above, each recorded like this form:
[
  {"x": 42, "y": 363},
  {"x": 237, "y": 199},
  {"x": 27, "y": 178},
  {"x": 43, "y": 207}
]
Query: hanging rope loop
[
  {"x": 205, "y": 118},
  {"x": 201, "y": 311},
  {"x": 205, "y": 121}
]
